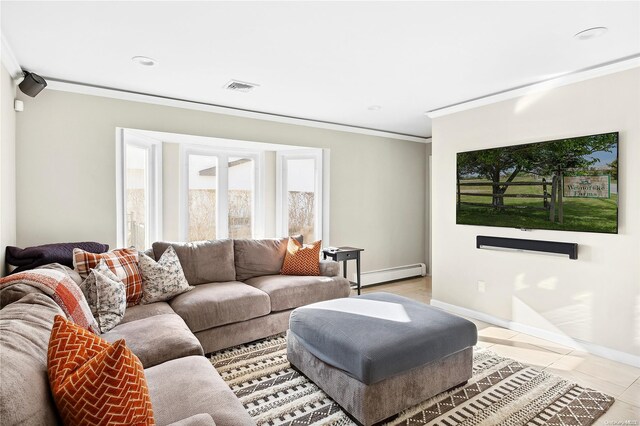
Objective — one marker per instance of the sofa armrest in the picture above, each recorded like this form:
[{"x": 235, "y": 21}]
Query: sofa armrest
[
  {"x": 203, "y": 419},
  {"x": 329, "y": 268}
]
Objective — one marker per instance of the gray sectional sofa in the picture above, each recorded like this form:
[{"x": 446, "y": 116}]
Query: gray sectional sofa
[{"x": 239, "y": 297}]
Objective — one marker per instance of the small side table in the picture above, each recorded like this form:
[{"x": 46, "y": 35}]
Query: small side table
[{"x": 343, "y": 254}]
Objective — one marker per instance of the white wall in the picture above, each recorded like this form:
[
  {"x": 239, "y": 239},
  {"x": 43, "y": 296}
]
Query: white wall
[
  {"x": 427, "y": 209},
  {"x": 270, "y": 193},
  {"x": 66, "y": 173},
  {"x": 7, "y": 165},
  {"x": 595, "y": 298},
  {"x": 171, "y": 174}
]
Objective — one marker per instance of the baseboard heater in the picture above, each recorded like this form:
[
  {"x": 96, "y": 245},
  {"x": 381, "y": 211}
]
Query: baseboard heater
[
  {"x": 550, "y": 247},
  {"x": 392, "y": 274}
]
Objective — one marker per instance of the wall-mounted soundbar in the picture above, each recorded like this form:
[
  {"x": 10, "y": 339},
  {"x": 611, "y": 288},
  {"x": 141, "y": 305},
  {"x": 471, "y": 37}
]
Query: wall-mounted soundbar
[{"x": 553, "y": 247}]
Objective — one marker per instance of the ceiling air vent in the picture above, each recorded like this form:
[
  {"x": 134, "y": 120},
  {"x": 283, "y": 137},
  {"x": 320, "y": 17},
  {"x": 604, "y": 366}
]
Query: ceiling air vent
[{"x": 240, "y": 86}]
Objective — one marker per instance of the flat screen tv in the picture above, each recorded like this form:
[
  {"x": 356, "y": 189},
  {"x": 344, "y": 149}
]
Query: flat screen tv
[{"x": 566, "y": 184}]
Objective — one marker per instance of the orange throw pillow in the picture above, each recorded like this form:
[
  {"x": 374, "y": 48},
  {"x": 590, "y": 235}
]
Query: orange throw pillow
[
  {"x": 122, "y": 262},
  {"x": 302, "y": 260},
  {"x": 94, "y": 382}
]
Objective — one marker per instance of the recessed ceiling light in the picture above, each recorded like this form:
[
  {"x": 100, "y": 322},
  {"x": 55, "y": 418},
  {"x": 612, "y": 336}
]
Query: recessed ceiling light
[
  {"x": 374, "y": 108},
  {"x": 590, "y": 33},
  {"x": 145, "y": 61}
]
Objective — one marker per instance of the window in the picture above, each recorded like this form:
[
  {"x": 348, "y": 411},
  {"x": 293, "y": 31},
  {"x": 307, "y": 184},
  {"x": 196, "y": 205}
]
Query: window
[
  {"x": 214, "y": 188},
  {"x": 203, "y": 185},
  {"x": 241, "y": 196},
  {"x": 139, "y": 190},
  {"x": 222, "y": 194},
  {"x": 299, "y": 204}
]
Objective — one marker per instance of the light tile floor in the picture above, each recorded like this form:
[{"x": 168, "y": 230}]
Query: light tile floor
[{"x": 618, "y": 380}]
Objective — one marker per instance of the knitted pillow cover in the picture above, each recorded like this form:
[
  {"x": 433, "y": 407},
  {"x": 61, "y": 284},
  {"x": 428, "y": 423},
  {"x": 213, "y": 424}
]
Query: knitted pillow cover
[
  {"x": 94, "y": 382},
  {"x": 302, "y": 259},
  {"x": 122, "y": 262}
]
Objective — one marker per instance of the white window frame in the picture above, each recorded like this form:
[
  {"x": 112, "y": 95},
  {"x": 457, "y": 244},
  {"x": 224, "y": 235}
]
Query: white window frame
[
  {"x": 321, "y": 176},
  {"x": 222, "y": 202},
  {"x": 153, "y": 224}
]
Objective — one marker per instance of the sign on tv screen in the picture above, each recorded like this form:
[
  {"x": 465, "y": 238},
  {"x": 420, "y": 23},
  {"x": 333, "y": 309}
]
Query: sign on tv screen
[{"x": 566, "y": 184}]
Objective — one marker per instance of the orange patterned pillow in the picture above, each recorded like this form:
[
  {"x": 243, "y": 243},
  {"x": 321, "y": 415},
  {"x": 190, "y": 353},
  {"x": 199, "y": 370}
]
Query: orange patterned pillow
[
  {"x": 302, "y": 260},
  {"x": 122, "y": 262},
  {"x": 94, "y": 382}
]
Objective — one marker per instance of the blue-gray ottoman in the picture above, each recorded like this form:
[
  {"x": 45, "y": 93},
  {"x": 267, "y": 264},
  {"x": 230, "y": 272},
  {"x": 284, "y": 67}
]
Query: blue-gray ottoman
[{"x": 378, "y": 354}]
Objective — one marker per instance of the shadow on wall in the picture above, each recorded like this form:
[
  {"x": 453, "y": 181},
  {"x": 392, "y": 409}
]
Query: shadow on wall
[{"x": 547, "y": 306}]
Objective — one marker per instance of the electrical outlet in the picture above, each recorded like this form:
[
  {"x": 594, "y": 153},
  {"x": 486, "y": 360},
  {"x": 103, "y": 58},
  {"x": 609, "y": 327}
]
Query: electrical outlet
[{"x": 482, "y": 287}]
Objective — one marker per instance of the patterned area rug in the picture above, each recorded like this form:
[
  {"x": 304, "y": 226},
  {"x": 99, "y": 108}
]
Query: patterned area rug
[{"x": 501, "y": 391}]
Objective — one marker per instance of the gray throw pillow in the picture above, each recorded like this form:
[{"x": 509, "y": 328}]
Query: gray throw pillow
[
  {"x": 106, "y": 296},
  {"x": 162, "y": 280}
]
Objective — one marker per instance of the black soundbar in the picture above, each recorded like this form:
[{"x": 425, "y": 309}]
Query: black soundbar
[{"x": 570, "y": 249}]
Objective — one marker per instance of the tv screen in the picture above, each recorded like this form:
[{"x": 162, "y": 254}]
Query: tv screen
[{"x": 566, "y": 184}]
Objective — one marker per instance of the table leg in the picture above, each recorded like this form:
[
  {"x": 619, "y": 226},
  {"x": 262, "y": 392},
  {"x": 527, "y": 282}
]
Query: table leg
[
  {"x": 344, "y": 268},
  {"x": 358, "y": 271}
]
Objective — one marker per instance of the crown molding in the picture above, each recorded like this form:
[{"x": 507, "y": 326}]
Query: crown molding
[
  {"x": 106, "y": 92},
  {"x": 8, "y": 58},
  {"x": 563, "y": 80},
  {"x": 15, "y": 70}
]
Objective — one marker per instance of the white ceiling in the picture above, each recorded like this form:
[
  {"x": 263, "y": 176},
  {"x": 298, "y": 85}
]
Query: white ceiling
[{"x": 326, "y": 61}]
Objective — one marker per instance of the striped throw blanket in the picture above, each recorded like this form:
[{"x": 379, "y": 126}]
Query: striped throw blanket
[{"x": 62, "y": 289}]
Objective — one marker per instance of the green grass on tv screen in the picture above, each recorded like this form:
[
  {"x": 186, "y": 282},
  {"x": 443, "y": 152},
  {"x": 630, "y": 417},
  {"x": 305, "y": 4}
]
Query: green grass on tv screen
[
  {"x": 569, "y": 184},
  {"x": 588, "y": 215}
]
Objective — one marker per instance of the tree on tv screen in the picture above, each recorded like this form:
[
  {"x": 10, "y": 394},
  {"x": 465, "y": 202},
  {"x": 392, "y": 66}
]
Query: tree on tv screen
[{"x": 544, "y": 159}]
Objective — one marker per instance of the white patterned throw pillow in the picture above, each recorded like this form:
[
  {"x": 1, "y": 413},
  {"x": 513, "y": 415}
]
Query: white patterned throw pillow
[
  {"x": 162, "y": 280},
  {"x": 106, "y": 296}
]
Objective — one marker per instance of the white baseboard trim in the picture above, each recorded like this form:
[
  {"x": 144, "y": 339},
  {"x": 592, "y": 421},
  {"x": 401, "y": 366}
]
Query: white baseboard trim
[
  {"x": 391, "y": 274},
  {"x": 592, "y": 348}
]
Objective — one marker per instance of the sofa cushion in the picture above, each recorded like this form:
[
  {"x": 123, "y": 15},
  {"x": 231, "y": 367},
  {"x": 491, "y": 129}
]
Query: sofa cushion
[
  {"x": 70, "y": 347},
  {"x": 289, "y": 291},
  {"x": 255, "y": 258},
  {"x": 196, "y": 420},
  {"x": 186, "y": 386},
  {"x": 105, "y": 296},
  {"x": 94, "y": 382},
  {"x": 215, "y": 304},
  {"x": 302, "y": 259},
  {"x": 157, "y": 339},
  {"x": 25, "y": 328},
  {"x": 122, "y": 262},
  {"x": 138, "y": 312},
  {"x": 202, "y": 261},
  {"x": 15, "y": 292},
  {"x": 329, "y": 268},
  {"x": 162, "y": 280}
]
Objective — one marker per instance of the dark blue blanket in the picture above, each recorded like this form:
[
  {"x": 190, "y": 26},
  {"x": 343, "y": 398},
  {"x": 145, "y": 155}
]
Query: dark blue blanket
[{"x": 32, "y": 257}]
